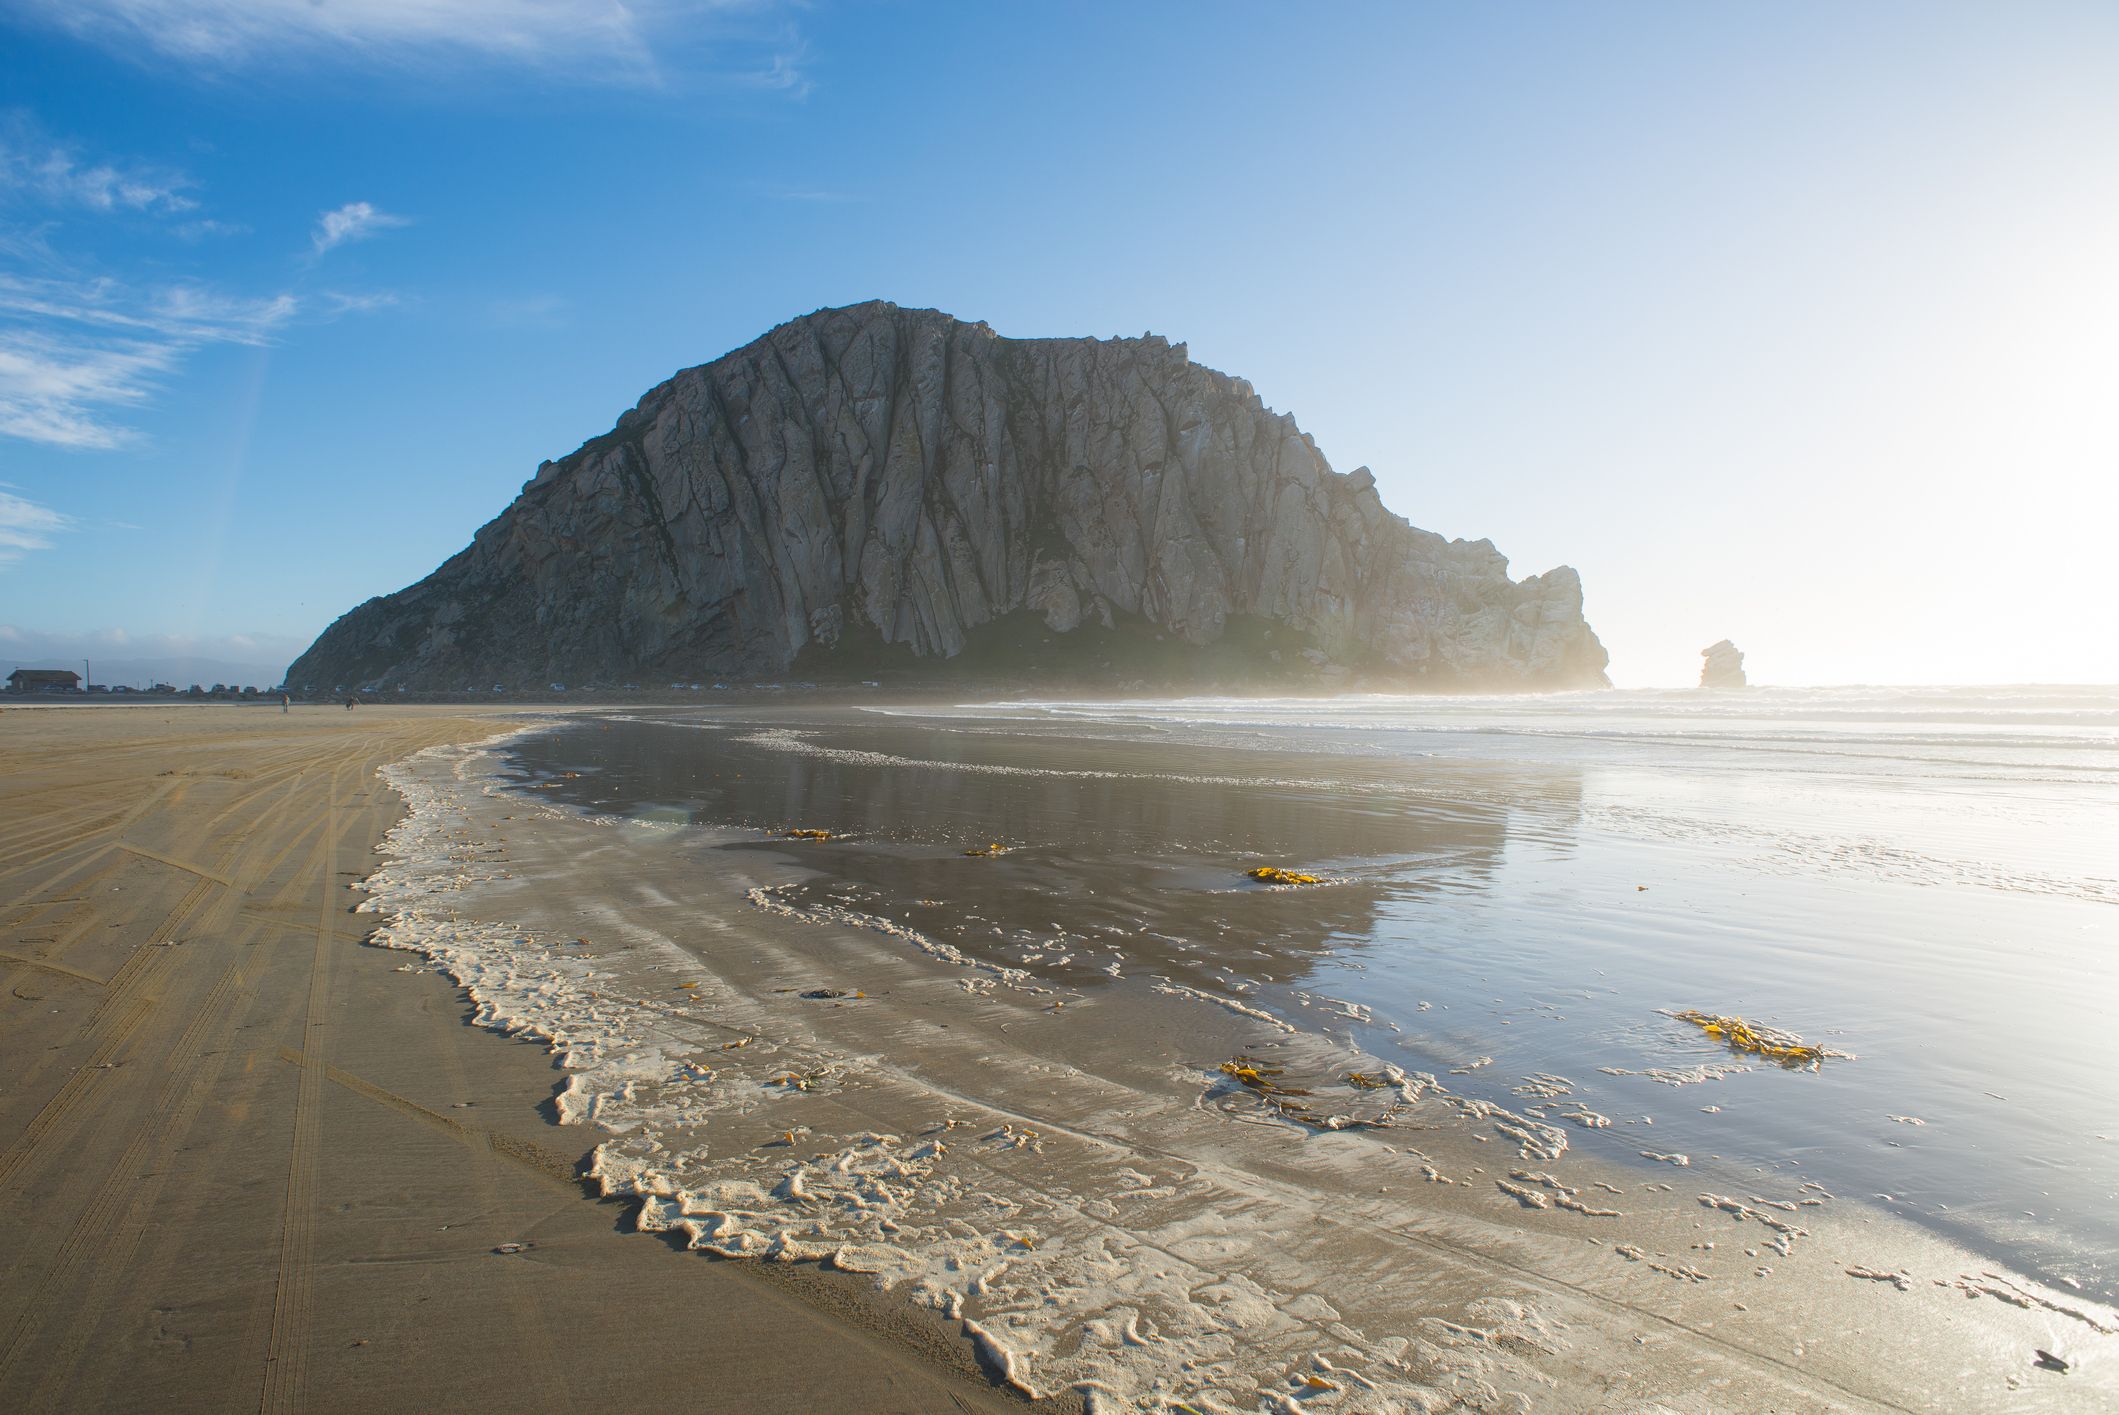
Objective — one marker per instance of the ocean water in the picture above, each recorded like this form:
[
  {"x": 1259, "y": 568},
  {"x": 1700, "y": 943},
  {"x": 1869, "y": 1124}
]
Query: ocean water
[{"x": 1520, "y": 890}]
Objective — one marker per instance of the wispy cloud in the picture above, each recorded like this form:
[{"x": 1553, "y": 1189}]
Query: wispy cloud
[
  {"x": 784, "y": 71},
  {"x": 355, "y": 221},
  {"x": 205, "y": 227},
  {"x": 26, "y": 526},
  {"x": 187, "y": 312},
  {"x": 38, "y": 167},
  {"x": 75, "y": 353},
  {"x": 527, "y": 312},
  {"x": 590, "y": 35},
  {"x": 333, "y": 303}
]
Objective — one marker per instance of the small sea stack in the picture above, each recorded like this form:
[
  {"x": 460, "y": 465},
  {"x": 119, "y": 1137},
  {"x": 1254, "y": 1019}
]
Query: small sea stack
[{"x": 1724, "y": 666}]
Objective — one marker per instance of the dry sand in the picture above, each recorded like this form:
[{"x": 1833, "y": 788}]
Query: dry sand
[
  {"x": 246, "y": 1164},
  {"x": 247, "y": 1158}
]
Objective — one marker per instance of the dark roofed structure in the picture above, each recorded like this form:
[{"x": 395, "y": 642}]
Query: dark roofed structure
[{"x": 44, "y": 680}]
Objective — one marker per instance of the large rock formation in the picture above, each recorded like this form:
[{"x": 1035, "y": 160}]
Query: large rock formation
[
  {"x": 878, "y": 487},
  {"x": 1723, "y": 666}
]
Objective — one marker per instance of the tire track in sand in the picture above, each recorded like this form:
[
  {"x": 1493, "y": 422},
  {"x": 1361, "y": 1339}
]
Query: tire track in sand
[
  {"x": 287, "y": 1339},
  {"x": 124, "y": 1201}
]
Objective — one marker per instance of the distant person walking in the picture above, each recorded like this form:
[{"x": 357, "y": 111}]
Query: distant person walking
[
  {"x": 283, "y": 702},
  {"x": 352, "y": 703}
]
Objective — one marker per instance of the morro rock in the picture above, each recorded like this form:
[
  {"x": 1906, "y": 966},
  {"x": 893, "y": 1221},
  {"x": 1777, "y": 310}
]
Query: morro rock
[
  {"x": 1724, "y": 666},
  {"x": 878, "y": 488}
]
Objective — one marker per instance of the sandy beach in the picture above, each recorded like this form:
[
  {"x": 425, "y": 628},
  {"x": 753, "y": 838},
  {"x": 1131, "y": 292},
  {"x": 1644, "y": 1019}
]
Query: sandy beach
[
  {"x": 250, "y": 1156},
  {"x": 248, "y": 1163}
]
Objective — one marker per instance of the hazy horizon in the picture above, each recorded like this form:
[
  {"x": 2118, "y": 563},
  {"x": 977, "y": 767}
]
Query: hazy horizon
[{"x": 1793, "y": 324}]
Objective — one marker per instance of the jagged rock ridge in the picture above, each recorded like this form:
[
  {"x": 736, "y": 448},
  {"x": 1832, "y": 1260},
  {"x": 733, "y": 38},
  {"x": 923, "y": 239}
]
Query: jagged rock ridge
[{"x": 875, "y": 481}]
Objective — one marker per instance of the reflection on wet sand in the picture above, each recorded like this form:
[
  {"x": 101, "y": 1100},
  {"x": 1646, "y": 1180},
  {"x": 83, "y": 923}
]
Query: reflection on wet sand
[
  {"x": 1538, "y": 885},
  {"x": 1124, "y": 858}
]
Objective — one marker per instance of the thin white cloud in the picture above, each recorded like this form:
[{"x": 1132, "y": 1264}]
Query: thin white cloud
[
  {"x": 527, "y": 312},
  {"x": 75, "y": 353},
  {"x": 26, "y": 526},
  {"x": 589, "y": 35},
  {"x": 185, "y": 312},
  {"x": 355, "y": 221},
  {"x": 37, "y": 167},
  {"x": 338, "y": 302},
  {"x": 785, "y": 73},
  {"x": 202, "y": 229},
  {"x": 61, "y": 394}
]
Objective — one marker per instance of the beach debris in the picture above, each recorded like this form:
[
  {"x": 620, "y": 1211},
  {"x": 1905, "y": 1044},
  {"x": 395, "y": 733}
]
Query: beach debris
[
  {"x": 1259, "y": 1078},
  {"x": 1533, "y": 1138},
  {"x": 1785, "y": 1233},
  {"x": 1901, "y": 1280},
  {"x": 1677, "y": 1272},
  {"x": 513, "y": 1247},
  {"x": 987, "y": 852},
  {"x": 800, "y": 1080},
  {"x": 1010, "y": 1138},
  {"x": 1994, "y": 1285},
  {"x": 1299, "y": 1105},
  {"x": 2048, "y": 1361},
  {"x": 1689, "y": 1076},
  {"x": 1770, "y": 1042},
  {"x": 1535, "y": 1189},
  {"x": 807, "y": 835},
  {"x": 1241, "y": 1009},
  {"x": 823, "y": 994},
  {"x": 1273, "y": 874},
  {"x": 1541, "y": 1086}
]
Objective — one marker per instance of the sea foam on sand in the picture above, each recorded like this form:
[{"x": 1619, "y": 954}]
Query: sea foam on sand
[{"x": 1150, "y": 1244}]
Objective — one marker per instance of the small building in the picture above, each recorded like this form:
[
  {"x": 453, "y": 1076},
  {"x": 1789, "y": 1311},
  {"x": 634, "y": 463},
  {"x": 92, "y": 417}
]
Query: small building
[{"x": 44, "y": 680}]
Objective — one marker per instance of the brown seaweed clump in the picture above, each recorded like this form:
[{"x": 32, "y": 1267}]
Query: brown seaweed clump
[
  {"x": 1273, "y": 874},
  {"x": 1304, "y": 1107},
  {"x": 1770, "y": 1042}
]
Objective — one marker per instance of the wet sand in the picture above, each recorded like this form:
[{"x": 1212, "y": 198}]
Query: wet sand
[
  {"x": 246, "y": 1158},
  {"x": 1067, "y": 1173},
  {"x": 247, "y": 1161}
]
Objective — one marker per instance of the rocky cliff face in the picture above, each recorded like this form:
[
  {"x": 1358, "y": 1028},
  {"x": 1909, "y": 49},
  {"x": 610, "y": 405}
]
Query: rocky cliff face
[
  {"x": 878, "y": 486},
  {"x": 1723, "y": 666}
]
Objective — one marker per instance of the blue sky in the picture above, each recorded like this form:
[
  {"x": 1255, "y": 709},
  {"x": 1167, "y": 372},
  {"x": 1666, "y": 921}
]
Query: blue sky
[{"x": 1793, "y": 323}]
